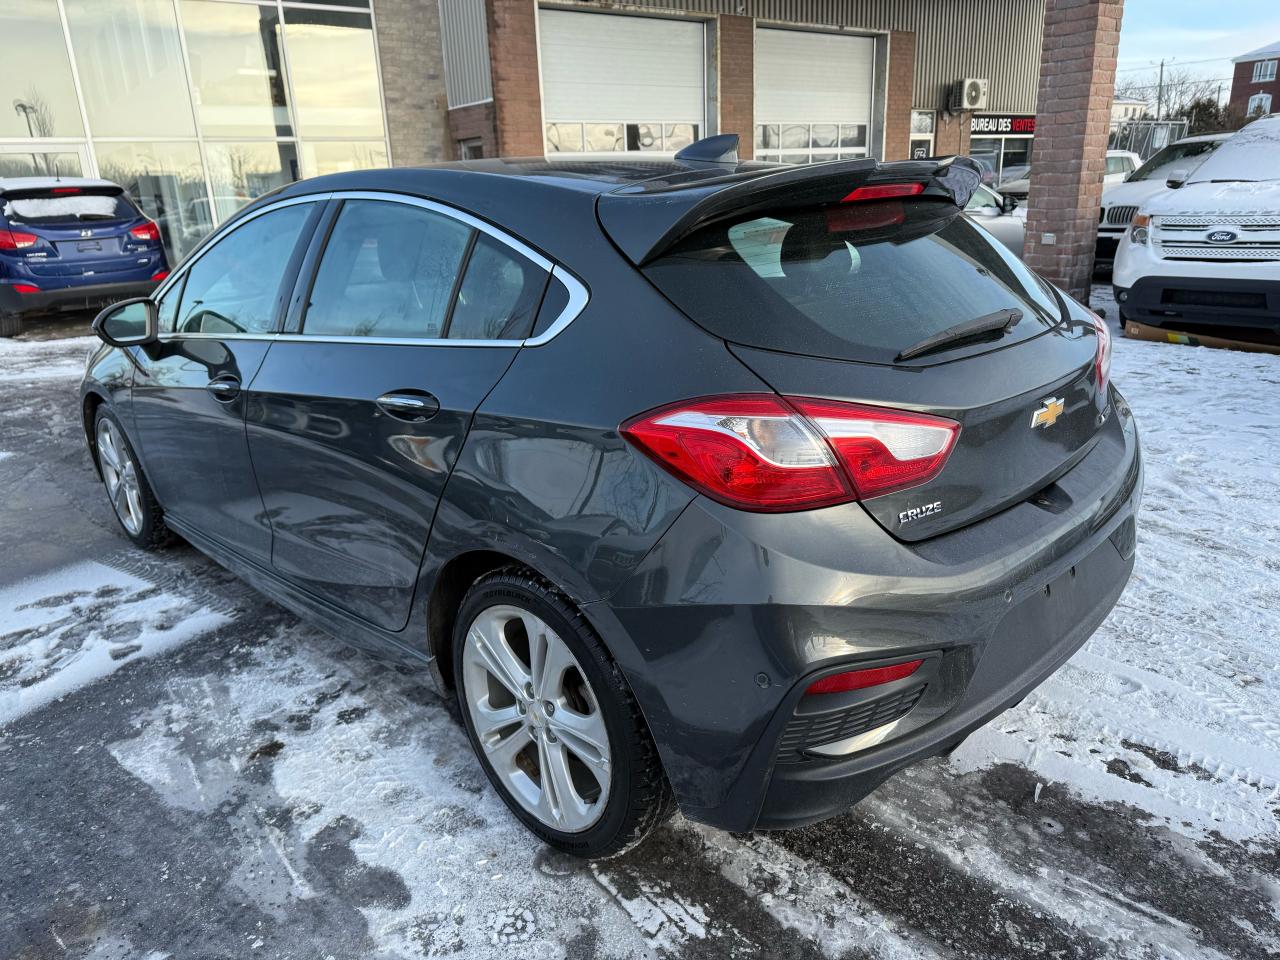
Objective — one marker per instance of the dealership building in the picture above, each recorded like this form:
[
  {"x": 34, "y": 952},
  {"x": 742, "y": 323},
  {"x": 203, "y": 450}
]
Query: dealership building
[{"x": 197, "y": 106}]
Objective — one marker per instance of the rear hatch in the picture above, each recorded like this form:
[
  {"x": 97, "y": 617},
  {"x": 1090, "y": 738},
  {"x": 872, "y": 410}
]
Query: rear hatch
[
  {"x": 82, "y": 233},
  {"x": 845, "y": 302}
]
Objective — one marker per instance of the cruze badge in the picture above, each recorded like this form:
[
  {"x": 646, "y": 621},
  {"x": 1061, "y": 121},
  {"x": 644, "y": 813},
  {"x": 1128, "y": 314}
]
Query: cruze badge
[
  {"x": 915, "y": 513},
  {"x": 1050, "y": 410}
]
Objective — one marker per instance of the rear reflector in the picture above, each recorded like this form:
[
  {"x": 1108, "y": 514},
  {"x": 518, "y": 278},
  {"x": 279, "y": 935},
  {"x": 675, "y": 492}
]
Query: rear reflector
[
  {"x": 146, "y": 231},
  {"x": 884, "y": 191},
  {"x": 15, "y": 240},
  {"x": 1102, "y": 360},
  {"x": 26, "y": 288},
  {"x": 859, "y": 679},
  {"x": 159, "y": 275},
  {"x": 765, "y": 453}
]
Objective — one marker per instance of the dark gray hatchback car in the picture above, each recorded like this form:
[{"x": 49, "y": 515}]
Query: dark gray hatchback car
[{"x": 722, "y": 485}]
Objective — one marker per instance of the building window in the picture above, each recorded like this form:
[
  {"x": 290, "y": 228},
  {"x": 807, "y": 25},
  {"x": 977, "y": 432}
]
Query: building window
[
  {"x": 472, "y": 149},
  {"x": 810, "y": 142},
  {"x": 1264, "y": 71},
  {"x": 923, "y": 123},
  {"x": 1259, "y": 103},
  {"x": 562, "y": 138}
]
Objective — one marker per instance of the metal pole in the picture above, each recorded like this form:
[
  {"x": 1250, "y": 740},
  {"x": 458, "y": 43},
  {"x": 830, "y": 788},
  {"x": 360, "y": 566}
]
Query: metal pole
[{"x": 1160, "y": 94}]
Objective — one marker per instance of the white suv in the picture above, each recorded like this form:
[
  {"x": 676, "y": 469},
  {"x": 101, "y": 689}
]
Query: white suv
[
  {"x": 1120, "y": 201},
  {"x": 1207, "y": 255}
]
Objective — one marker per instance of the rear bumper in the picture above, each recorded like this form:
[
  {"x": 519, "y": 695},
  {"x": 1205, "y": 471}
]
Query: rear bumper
[
  {"x": 732, "y": 616},
  {"x": 83, "y": 297},
  {"x": 1174, "y": 301}
]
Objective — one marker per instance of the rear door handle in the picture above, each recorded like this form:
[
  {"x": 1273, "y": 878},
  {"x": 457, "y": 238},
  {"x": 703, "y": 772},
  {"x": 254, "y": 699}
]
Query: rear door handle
[
  {"x": 224, "y": 389},
  {"x": 410, "y": 405}
]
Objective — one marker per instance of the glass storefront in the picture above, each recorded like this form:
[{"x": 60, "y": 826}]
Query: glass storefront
[{"x": 195, "y": 106}]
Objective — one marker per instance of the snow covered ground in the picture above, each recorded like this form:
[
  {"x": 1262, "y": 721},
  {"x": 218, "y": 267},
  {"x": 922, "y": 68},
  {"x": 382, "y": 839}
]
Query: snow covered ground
[{"x": 186, "y": 770}]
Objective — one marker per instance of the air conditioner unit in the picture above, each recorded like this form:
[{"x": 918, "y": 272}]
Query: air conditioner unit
[{"x": 969, "y": 94}]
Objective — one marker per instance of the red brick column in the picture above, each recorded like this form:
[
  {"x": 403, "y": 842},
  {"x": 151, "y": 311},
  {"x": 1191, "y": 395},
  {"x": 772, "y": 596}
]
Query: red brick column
[
  {"x": 517, "y": 93},
  {"x": 899, "y": 95},
  {"x": 736, "y": 39},
  {"x": 1077, "y": 79},
  {"x": 473, "y": 122}
]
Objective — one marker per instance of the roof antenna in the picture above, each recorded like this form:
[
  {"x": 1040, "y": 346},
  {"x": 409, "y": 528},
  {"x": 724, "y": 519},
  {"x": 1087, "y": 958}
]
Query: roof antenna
[{"x": 718, "y": 149}]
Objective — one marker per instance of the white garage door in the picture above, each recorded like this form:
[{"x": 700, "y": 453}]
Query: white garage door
[
  {"x": 813, "y": 95},
  {"x": 612, "y": 83}
]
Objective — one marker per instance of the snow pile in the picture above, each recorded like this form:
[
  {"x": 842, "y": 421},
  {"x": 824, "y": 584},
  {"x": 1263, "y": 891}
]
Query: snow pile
[
  {"x": 67, "y": 629},
  {"x": 1171, "y": 706},
  {"x": 29, "y": 360}
]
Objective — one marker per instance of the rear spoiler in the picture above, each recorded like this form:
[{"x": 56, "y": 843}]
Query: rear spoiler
[{"x": 646, "y": 219}]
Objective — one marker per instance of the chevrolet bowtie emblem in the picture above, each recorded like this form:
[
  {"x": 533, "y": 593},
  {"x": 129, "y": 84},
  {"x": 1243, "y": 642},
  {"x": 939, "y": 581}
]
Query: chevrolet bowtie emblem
[{"x": 1049, "y": 412}]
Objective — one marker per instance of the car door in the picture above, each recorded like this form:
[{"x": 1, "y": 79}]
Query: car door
[
  {"x": 410, "y": 315},
  {"x": 216, "y": 323}
]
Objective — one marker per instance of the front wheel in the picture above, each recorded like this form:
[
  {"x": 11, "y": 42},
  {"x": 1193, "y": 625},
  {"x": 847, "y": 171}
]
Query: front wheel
[
  {"x": 135, "y": 506},
  {"x": 552, "y": 719}
]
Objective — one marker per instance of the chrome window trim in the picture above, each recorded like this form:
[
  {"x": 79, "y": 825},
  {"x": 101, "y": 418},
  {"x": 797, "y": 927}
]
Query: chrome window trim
[{"x": 579, "y": 295}]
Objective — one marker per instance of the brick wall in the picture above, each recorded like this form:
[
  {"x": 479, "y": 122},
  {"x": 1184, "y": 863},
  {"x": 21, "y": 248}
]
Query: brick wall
[
  {"x": 736, "y": 38},
  {"x": 517, "y": 96},
  {"x": 412, "y": 80},
  {"x": 473, "y": 122},
  {"x": 1077, "y": 78},
  {"x": 899, "y": 95},
  {"x": 1243, "y": 87},
  {"x": 951, "y": 135}
]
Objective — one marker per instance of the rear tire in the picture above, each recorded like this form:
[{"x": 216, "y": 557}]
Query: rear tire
[
  {"x": 140, "y": 515},
  {"x": 10, "y": 324},
  {"x": 603, "y": 794}
]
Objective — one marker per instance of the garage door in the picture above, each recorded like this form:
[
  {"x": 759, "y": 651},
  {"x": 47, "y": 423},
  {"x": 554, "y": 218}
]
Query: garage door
[
  {"x": 813, "y": 95},
  {"x": 613, "y": 83}
]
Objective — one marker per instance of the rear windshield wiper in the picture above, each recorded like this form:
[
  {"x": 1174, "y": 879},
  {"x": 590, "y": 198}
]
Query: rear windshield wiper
[{"x": 999, "y": 321}]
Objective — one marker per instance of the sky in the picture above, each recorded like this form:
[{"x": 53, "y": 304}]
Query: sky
[{"x": 1203, "y": 35}]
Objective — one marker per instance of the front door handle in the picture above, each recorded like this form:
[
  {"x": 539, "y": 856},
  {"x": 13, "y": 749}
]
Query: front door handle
[
  {"x": 224, "y": 389},
  {"x": 413, "y": 406}
]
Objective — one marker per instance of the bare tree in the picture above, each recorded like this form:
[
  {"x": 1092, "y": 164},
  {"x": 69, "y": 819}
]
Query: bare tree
[{"x": 1181, "y": 87}]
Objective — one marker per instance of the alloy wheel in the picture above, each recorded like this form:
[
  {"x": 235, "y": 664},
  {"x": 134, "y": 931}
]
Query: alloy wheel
[
  {"x": 538, "y": 722},
  {"x": 120, "y": 475}
]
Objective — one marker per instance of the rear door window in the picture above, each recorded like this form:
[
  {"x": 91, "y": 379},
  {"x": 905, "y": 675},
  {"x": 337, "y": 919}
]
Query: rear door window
[
  {"x": 389, "y": 270},
  {"x": 859, "y": 282}
]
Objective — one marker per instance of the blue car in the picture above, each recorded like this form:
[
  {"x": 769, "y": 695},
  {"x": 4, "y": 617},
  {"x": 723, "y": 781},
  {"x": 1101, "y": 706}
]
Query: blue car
[{"x": 72, "y": 244}]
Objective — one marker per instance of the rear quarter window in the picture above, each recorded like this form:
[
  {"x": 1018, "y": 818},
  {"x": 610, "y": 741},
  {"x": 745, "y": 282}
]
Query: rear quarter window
[{"x": 858, "y": 282}]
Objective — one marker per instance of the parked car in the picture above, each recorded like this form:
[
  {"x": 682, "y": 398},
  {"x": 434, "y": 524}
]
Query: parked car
[
  {"x": 1120, "y": 201},
  {"x": 1206, "y": 256},
  {"x": 1120, "y": 163},
  {"x": 71, "y": 244},
  {"x": 998, "y": 216},
  {"x": 742, "y": 486}
]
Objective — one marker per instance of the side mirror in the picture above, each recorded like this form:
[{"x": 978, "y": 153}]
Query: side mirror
[
  {"x": 1176, "y": 179},
  {"x": 1009, "y": 204},
  {"x": 129, "y": 323}
]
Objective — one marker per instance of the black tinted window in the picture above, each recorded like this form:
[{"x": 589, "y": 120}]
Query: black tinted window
[
  {"x": 499, "y": 295},
  {"x": 389, "y": 270},
  {"x": 235, "y": 286},
  {"x": 860, "y": 282}
]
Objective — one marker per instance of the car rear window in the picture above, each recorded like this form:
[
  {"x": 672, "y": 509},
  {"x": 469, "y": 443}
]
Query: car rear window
[
  {"x": 859, "y": 282},
  {"x": 53, "y": 206}
]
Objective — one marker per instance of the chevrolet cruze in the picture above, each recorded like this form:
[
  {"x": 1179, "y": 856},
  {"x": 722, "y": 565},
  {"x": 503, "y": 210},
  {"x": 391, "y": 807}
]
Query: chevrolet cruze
[{"x": 731, "y": 487}]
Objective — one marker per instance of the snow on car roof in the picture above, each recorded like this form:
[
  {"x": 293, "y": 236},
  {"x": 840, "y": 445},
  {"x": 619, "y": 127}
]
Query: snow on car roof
[{"x": 1252, "y": 153}]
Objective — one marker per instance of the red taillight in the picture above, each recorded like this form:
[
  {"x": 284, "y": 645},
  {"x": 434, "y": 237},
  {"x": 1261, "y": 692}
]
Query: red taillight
[
  {"x": 883, "y": 450},
  {"x": 145, "y": 231},
  {"x": 66, "y": 190},
  {"x": 864, "y": 216},
  {"x": 746, "y": 450},
  {"x": 1102, "y": 360},
  {"x": 15, "y": 240},
  {"x": 26, "y": 288},
  {"x": 159, "y": 275},
  {"x": 764, "y": 453},
  {"x": 859, "y": 679},
  {"x": 884, "y": 191}
]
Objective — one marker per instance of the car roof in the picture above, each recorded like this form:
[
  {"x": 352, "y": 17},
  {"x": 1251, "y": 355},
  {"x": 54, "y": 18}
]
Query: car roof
[
  {"x": 1204, "y": 138},
  {"x": 45, "y": 183}
]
